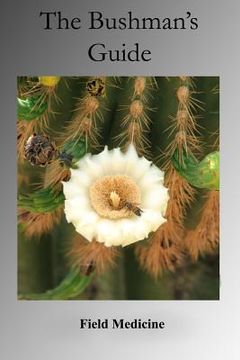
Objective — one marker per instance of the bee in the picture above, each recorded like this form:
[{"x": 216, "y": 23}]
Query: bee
[
  {"x": 39, "y": 150},
  {"x": 133, "y": 208},
  {"x": 96, "y": 87},
  {"x": 87, "y": 269}
]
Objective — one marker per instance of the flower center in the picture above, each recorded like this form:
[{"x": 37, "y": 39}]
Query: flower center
[{"x": 115, "y": 197}]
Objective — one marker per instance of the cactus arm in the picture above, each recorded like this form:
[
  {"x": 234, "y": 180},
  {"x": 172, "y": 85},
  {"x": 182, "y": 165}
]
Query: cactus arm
[
  {"x": 203, "y": 174},
  {"x": 43, "y": 200},
  {"x": 71, "y": 286}
]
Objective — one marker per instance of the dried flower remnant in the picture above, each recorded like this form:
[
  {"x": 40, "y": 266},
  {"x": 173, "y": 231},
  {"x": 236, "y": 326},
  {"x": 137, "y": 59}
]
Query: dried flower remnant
[{"x": 39, "y": 150}]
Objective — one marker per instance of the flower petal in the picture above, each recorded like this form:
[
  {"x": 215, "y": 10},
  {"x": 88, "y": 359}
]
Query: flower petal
[
  {"x": 108, "y": 233},
  {"x": 103, "y": 161},
  {"x": 133, "y": 230},
  {"x": 155, "y": 198},
  {"x": 80, "y": 177},
  {"x": 153, "y": 176},
  {"x": 134, "y": 166},
  {"x": 118, "y": 162},
  {"x": 91, "y": 167}
]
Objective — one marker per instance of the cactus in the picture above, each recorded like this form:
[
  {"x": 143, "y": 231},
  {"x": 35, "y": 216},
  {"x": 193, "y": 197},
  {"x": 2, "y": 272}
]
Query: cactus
[{"x": 64, "y": 124}]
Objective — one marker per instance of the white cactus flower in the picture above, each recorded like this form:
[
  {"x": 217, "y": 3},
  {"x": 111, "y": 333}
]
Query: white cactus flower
[{"x": 115, "y": 198}]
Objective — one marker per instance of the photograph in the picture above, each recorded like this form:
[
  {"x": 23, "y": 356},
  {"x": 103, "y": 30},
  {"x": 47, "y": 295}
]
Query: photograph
[{"x": 118, "y": 187}]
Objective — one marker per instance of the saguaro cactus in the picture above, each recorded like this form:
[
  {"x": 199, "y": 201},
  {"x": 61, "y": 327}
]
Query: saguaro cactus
[{"x": 112, "y": 167}]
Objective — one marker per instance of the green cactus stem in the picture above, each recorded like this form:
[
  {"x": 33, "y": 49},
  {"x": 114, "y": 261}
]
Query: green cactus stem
[
  {"x": 43, "y": 200},
  {"x": 203, "y": 174},
  {"x": 31, "y": 107},
  {"x": 71, "y": 286},
  {"x": 72, "y": 151}
]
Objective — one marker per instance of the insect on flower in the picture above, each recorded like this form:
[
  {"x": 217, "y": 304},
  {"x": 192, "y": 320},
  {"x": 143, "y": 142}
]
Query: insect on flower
[
  {"x": 39, "y": 150},
  {"x": 96, "y": 87},
  {"x": 133, "y": 208}
]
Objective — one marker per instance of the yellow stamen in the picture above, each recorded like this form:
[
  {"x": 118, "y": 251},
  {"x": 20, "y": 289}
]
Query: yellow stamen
[{"x": 115, "y": 199}]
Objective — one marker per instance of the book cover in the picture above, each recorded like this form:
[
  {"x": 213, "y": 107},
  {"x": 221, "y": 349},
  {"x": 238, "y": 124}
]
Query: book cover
[{"x": 113, "y": 228}]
